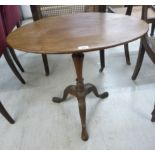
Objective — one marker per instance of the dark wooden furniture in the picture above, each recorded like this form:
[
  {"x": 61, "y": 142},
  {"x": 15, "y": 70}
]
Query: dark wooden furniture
[
  {"x": 77, "y": 34},
  {"x": 42, "y": 11},
  {"x": 5, "y": 51},
  {"x": 126, "y": 48},
  {"x": 11, "y": 17},
  {"x": 135, "y": 11},
  {"x": 153, "y": 23},
  {"x": 6, "y": 114},
  {"x": 153, "y": 115},
  {"x": 147, "y": 44}
]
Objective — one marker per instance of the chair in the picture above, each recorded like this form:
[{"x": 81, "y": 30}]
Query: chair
[
  {"x": 5, "y": 51},
  {"x": 2, "y": 50},
  {"x": 42, "y": 11},
  {"x": 133, "y": 11},
  {"x": 153, "y": 24},
  {"x": 147, "y": 44},
  {"x": 137, "y": 12},
  {"x": 126, "y": 48},
  {"x": 6, "y": 114},
  {"x": 11, "y": 17}
]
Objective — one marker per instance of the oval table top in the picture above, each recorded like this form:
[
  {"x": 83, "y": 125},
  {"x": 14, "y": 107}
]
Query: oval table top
[{"x": 81, "y": 32}]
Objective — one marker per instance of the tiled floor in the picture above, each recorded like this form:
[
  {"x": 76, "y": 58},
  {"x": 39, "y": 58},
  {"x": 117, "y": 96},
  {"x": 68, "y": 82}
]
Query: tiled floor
[{"x": 122, "y": 121}]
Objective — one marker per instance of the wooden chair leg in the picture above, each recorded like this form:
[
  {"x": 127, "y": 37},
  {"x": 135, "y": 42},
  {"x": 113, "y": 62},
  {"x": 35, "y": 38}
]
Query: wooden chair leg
[
  {"x": 153, "y": 115},
  {"x": 45, "y": 61},
  {"x": 6, "y": 114},
  {"x": 139, "y": 61},
  {"x": 15, "y": 58},
  {"x": 19, "y": 23},
  {"x": 152, "y": 29},
  {"x": 102, "y": 60},
  {"x": 127, "y": 56},
  {"x": 12, "y": 66}
]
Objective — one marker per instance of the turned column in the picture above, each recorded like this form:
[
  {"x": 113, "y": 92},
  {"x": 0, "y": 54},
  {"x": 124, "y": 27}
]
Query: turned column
[{"x": 80, "y": 88}]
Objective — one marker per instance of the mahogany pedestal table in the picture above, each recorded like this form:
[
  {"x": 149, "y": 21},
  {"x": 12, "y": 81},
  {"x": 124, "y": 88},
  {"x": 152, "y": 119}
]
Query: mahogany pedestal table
[{"x": 77, "y": 34}]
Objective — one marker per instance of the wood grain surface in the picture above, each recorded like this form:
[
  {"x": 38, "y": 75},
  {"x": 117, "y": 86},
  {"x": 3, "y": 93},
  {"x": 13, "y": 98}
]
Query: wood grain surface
[{"x": 81, "y": 32}]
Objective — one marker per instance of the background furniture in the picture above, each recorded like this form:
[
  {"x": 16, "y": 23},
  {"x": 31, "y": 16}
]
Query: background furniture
[
  {"x": 76, "y": 34},
  {"x": 153, "y": 115},
  {"x": 135, "y": 11},
  {"x": 42, "y": 11},
  {"x": 5, "y": 51},
  {"x": 6, "y": 114},
  {"x": 11, "y": 17},
  {"x": 126, "y": 48},
  {"x": 153, "y": 23},
  {"x": 147, "y": 44}
]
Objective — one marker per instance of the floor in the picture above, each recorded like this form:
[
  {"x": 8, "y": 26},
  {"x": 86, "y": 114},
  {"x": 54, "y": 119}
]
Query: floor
[{"x": 122, "y": 121}]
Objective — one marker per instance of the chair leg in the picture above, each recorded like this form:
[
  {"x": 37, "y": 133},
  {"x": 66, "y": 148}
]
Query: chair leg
[
  {"x": 102, "y": 60},
  {"x": 19, "y": 24},
  {"x": 139, "y": 61},
  {"x": 153, "y": 115},
  {"x": 12, "y": 66},
  {"x": 152, "y": 29},
  {"x": 127, "y": 56},
  {"x": 16, "y": 59},
  {"x": 45, "y": 61},
  {"x": 6, "y": 114}
]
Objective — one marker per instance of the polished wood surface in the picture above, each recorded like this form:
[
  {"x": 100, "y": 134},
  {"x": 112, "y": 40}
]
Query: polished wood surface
[{"x": 77, "y": 33}]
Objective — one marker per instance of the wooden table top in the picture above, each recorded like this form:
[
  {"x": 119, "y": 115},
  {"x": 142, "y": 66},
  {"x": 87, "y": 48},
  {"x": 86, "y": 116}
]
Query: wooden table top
[{"x": 81, "y": 32}]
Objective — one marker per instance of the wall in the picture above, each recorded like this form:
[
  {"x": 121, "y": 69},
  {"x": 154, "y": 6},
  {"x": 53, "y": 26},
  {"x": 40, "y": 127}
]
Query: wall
[{"x": 26, "y": 11}]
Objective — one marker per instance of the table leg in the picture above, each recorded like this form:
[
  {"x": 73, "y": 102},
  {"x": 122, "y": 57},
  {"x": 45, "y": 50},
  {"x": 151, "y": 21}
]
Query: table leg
[{"x": 80, "y": 91}]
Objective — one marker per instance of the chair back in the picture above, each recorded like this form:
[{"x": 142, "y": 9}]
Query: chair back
[
  {"x": 149, "y": 42},
  {"x": 41, "y": 11},
  {"x": 11, "y": 16},
  {"x": 2, "y": 37},
  {"x": 127, "y": 9},
  {"x": 148, "y": 14}
]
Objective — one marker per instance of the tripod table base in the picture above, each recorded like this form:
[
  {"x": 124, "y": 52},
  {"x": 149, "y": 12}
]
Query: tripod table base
[
  {"x": 80, "y": 91},
  {"x": 81, "y": 95}
]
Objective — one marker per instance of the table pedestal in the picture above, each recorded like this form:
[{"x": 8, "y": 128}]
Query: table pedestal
[{"x": 80, "y": 91}]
